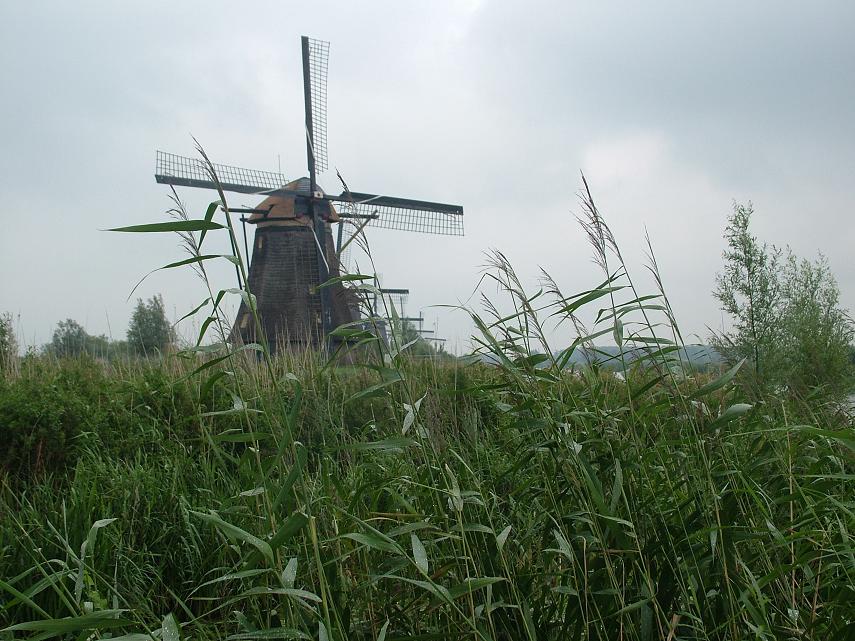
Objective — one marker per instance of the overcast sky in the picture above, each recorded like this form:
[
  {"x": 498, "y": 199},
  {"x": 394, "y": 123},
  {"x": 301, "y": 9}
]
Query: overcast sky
[{"x": 672, "y": 110}]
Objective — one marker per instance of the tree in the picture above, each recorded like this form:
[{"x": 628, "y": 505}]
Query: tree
[
  {"x": 69, "y": 339},
  {"x": 8, "y": 342},
  {"x": 787, "y": 319},
  {"x": 749, "y": 292},
  {"x": 817, "y": 332},
  {"x": 149, "y": 330}
]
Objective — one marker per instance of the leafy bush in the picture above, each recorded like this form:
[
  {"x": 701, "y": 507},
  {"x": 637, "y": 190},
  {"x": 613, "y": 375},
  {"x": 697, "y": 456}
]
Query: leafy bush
[
  {"x": 55, "y": 409},
  {"x": 43, "y": 411}
]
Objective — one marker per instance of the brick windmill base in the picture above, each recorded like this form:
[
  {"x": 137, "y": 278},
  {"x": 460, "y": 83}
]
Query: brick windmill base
[{"x": 283, "y": 276}]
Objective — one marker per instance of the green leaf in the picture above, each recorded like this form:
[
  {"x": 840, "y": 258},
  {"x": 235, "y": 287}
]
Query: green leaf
[
  {"x": 419, "y": 553},
  {"x": 632, "y": 606},
  {"x": 234, "y": 532},
  {"x": 503, "y": 536},
  {"x": 617, "y": 487},
  {"x": 233, "y": 576},
  {"x": 204, "y": 328},
  {"x": 651, "y": 340},
  {"x": 734, "y": 411},
  {"x": 472, "y": 585},
  {"x": 395, "y": 444},
  {"x": 382, "y": 635},
  {"x": 101, "y": 620},
  {"x": 170, "y": 629},
  {"x": 409, "y": 419},
  {"x": 213, "y": 348},
  {"x": 563, "y": 546},
  {"x": 193, "y": 311},
  {"x": 289, "y": 574},
  {"x": 176, "y": 225},
  {"x": 720, "y": 382},
  {"x": 248, "y": 298},
  {"x": 565, "y": 589},
  {"x": 531, "y": 361},
  {"x": 180, "y": 263},
  {"x": 85, "y": 548},
  {"x": 373, "y": 541},
  {"x": 238, "y": 407},
  {"x": 352, "y": 334},
  {"x": 209, "y": 216},
  {"x": 23, "y": 598},
  {"x": 212, "y": 380},
  {"x": 191, "y": 261},
  {"x": 618, "y": 332},
  {"x": 844, "y": 437},
  {"x": 285, "y": 490},
  {"x": 210, "y": 363},
  {"x": 294, "y": 593},
  {"x": 230, "y": 436},
  {"x": 375, "y": 390},
  {"x": 472, "y": 527},
  {"x": 586, "y": 297},
  {"x": 269, "y": 633},
  {"x": 439, "y": 591},
  {"x": 344, "y": 279},
  {"x": 456, "y": 496},
  {"x": 292, "y": 525}
]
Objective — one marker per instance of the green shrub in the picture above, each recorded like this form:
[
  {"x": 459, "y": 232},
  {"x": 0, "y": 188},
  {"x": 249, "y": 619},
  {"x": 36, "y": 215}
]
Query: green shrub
[{"x": 44, "y": 410}]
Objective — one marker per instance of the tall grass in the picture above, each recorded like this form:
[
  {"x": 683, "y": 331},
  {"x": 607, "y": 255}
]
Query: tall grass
[{"x": 223, "y": 496}]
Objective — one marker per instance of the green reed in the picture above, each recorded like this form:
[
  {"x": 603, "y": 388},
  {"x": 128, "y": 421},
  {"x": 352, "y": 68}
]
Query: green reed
[{"x": 228, "y": 493}]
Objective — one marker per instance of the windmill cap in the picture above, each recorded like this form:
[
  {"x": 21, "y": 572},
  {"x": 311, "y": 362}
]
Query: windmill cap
[
  {"x": 282, "y": 207},
  {"x": 302, "y": 186}
]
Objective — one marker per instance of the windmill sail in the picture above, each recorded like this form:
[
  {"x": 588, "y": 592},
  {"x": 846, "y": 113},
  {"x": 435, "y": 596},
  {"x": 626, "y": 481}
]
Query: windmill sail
[
  {"x": 315, "y": 65},
  {"x": 172, "y": 169},
  {"x": 403, "y": 214},
  {"x": 385, "y": 212}
]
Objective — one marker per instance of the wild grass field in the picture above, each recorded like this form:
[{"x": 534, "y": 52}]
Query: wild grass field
[{"x": 236, "y": 495}]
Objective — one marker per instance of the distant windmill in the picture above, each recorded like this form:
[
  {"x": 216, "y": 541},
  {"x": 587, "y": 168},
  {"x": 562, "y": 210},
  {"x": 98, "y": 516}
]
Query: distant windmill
[
  {"x": 390, "y": 301},
  {"x": 388, "y": 314},
  {"x": 293, "y": 249}
]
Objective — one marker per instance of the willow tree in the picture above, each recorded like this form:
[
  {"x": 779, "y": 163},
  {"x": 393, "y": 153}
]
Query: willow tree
[{"x": 749, "y": 292}]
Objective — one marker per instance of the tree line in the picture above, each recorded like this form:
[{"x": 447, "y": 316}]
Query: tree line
[
  {"x": 787, "y": 322},
  {"x": 149, "y": 333}
]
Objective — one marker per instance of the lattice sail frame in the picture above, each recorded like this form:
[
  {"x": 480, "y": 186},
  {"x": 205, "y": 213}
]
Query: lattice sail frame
[
  {"x": 319, "y": 55},
  {"x": 173, "y": 169},
  {"x": 396, "y": 301},
  {"x": 404, "y": 219}
]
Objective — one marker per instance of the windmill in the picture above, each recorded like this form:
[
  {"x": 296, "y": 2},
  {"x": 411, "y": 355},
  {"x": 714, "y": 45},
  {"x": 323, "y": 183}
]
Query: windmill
[
  {"x": 395, "y": 322},
  {"x": 386, "y": 310},
  {"x": 293, "y": 249}
]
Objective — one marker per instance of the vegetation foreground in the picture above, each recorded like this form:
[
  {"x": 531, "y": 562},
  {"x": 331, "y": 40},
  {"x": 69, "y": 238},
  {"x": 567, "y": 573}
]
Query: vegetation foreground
[{"x": 233, "y": 495}]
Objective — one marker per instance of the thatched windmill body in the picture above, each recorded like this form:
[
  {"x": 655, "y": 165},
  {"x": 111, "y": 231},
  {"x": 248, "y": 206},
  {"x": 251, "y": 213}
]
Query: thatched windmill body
[{"x": 293, "y": 249}]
